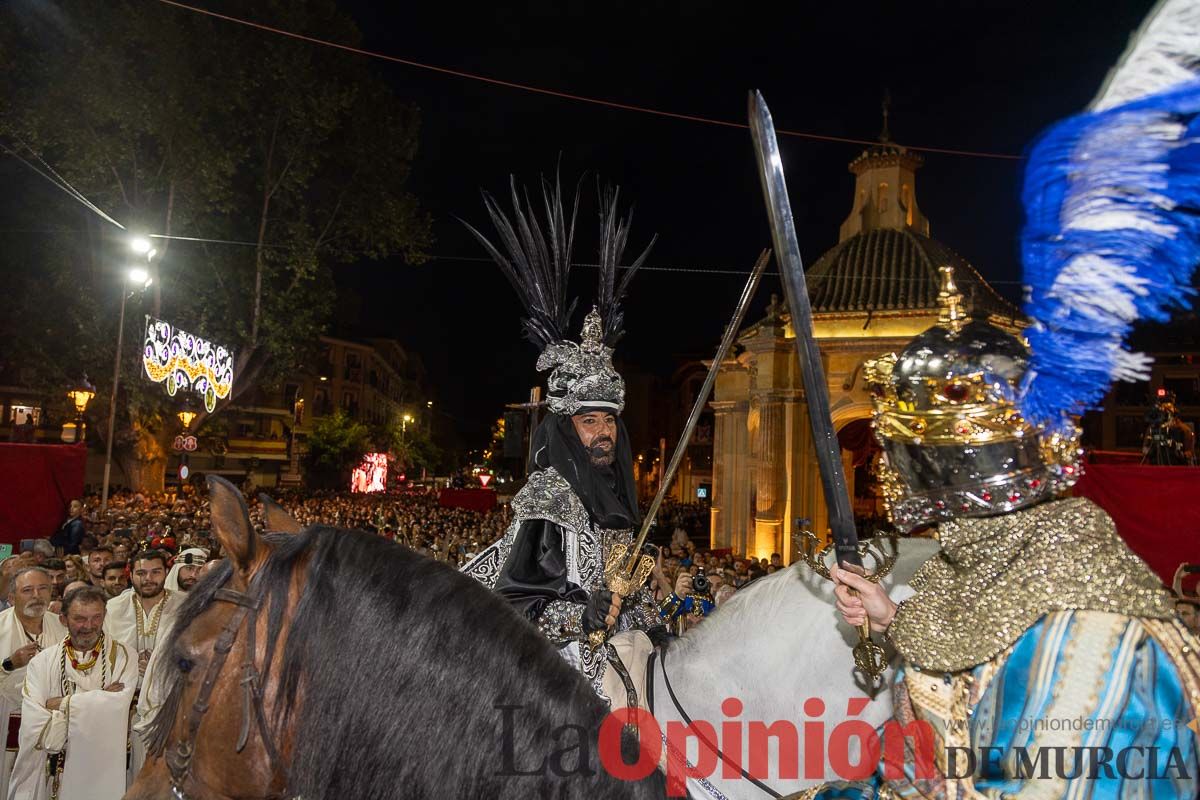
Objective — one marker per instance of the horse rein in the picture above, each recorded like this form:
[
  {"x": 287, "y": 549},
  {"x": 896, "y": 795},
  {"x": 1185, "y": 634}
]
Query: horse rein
[
  {"x": 662, "y": 663},
  {"x": 179, "y": 758}
]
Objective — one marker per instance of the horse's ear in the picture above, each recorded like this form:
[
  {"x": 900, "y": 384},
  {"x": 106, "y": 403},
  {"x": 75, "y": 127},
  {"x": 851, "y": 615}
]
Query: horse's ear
[
  {"x": 231, "y": 525},
  {"x": 275, "y": 518}
]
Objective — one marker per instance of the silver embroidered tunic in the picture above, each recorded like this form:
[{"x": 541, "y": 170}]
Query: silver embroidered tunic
[{"x": 548, "y": 564}]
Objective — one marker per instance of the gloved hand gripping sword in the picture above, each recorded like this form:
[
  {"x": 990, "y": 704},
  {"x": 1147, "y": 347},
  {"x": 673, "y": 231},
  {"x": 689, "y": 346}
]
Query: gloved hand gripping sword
[{"x": 627, "y": 568}]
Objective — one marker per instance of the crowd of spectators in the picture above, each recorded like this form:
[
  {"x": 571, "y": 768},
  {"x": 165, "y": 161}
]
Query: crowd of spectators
[{"x": 178, "y": 519}]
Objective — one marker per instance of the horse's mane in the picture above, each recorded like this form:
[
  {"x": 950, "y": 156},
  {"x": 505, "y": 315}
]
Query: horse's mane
[{"x": 393, "y": 673}]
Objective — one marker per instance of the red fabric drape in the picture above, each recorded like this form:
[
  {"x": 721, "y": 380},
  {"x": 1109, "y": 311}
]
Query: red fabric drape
[
  {"x": 37, "y": 482},
  {"x": 859, "y": 438},
  {"x": 470, "y": 499},
  {"x": 1156, "y": 509}
]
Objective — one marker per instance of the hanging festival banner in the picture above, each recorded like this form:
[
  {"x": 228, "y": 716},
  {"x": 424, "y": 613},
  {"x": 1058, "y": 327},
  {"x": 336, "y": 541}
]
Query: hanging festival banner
[{"x": 181, "y": 360}]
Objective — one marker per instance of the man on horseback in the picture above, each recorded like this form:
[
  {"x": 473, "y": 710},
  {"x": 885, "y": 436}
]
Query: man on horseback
[
  {"x": 580, "y": 500},
  {"x": 1035, "y": 633}
]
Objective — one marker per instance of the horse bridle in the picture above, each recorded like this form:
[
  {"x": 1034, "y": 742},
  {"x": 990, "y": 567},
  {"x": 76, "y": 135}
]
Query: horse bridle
[
  {"x": 179, "y": 758},
  {"x": 662, "y": 664}
]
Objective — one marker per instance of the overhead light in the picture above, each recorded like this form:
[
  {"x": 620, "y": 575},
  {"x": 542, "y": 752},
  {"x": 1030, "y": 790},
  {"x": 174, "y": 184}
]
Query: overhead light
[
  {"x": 81, "y": 393},
  {"x": 139, "y": 275},
  {"x": 140, "y": 245}
]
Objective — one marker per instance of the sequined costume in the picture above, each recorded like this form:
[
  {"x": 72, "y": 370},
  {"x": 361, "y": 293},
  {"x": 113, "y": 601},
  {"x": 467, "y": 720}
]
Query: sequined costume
[
  {"x": 1037, "y": 637},
  {"x": 1041, "y": 657},
  {"x": 550, "y": 563}
]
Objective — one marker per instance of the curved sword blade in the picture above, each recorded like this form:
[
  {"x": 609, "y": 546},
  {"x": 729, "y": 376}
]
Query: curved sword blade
[{"x": 791, "y": 269}]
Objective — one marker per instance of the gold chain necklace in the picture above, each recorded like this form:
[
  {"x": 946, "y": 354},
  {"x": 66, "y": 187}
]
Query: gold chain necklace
[
  {"x": 92, "y": 656},
  {"x": 145, "y": 631}
]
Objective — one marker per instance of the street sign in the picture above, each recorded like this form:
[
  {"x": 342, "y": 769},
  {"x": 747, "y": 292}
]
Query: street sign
[{"x": 184, "y": 444}]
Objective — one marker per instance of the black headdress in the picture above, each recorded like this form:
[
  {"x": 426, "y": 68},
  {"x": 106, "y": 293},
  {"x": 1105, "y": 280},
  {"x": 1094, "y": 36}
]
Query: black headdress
[{"x": 537, "y": 262}]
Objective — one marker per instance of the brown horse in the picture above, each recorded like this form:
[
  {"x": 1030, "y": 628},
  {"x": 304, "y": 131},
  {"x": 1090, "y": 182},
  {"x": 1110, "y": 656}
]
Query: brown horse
[{"x": 325, "y": 663}]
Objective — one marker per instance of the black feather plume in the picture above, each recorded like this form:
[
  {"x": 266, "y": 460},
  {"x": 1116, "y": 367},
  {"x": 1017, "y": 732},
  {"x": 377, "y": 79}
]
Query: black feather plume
[
  {"x": 614, "y": 233},
  {"x": 536, "y": 261}
]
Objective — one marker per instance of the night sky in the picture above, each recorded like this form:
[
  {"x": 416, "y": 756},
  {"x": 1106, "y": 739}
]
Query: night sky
[
  {"x": 971, "y": 76},
  {"x": 987, "y": 77}
]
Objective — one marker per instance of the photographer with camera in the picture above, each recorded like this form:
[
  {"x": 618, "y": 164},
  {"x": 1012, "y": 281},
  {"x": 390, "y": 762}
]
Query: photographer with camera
[
  {"x": 1168, "y": 441},
  {"x": 691, "y": 601}
]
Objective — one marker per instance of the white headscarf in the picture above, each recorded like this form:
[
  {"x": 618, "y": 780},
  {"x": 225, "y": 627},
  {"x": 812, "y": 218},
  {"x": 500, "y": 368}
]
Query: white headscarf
[{"x": 194, "y": 557}]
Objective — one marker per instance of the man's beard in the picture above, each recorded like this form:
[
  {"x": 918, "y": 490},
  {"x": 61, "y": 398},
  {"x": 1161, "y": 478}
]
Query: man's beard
[
  {"x": 601, "y": 456},
  {"x": 34, "y": 609},
  {"x": 150, "y": 589},
  {"x": 85, "y": 641},
  {"x": 186, "y": 584}
]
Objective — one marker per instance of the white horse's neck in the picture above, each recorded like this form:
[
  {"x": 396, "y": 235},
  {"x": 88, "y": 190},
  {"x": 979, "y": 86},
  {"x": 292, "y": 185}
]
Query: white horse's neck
[{"x": 775, "y": 646}]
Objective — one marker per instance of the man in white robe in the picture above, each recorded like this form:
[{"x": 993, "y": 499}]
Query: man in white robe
[
  {"x": 187, "y": 569},
  {"x": 25, "y": 630},
  {"x": 75, "y": 711},
  {"x": 140, "y": 620}
]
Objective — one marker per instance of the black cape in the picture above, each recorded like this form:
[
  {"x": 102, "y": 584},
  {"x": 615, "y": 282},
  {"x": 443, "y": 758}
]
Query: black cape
[{"x": 535, "y": 572}]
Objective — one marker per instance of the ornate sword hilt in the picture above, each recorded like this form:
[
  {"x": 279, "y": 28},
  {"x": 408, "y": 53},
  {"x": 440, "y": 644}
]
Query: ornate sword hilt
[
  {"x": 623, "y": 575},
  {"x": 883, "y": 551}
]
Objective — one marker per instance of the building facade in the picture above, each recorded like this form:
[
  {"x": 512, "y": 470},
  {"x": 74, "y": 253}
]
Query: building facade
[{"x": 870, "y": 293}]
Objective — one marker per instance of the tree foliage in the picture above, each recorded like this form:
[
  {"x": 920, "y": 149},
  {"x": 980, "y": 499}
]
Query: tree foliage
[
  {"x": 411, "y": 445},
  {"x": 181, "y": 124},
  {"x": 337, "y": 443}
]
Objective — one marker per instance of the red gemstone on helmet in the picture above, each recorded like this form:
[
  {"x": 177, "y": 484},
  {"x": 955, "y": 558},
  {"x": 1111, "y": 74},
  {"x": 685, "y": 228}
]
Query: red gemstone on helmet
[
  {"x": 987, "y": 497},
  {"x": 966, "y": 506},
  {"x": 940, "y": 504},
  {"x": 1035, "y": 483},
  {"x": 955, "y": 392},
  {"x": 1014, "y": 497}
]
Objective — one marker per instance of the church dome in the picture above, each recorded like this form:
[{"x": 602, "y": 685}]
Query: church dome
[{"x": 890, "y": 269}]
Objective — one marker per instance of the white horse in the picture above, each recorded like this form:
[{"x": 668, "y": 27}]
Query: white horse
[{"x": 779, "y": 648}]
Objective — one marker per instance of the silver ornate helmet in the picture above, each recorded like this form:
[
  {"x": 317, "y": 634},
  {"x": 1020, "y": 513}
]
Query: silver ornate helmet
[
  {"x": 582, "y": 374},
  {"x": 954, "y": 442},
  {"x": 536, "y": 259}
]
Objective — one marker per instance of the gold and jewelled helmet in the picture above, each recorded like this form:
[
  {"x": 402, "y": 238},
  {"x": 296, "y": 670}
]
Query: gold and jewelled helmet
[{"x": 954, "y": 443}]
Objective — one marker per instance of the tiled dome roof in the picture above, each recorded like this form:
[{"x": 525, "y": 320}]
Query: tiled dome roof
[{"x": 895, "y": 270}]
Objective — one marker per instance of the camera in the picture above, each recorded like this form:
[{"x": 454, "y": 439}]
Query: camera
[{"x": 700, "y": 582}]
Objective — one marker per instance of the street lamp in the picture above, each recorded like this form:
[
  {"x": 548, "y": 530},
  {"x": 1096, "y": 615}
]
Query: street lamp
[
  {"x": 81, "y": 394},
  {"x": 139, "y": 278},
  {"x": 186, "y": 416}
]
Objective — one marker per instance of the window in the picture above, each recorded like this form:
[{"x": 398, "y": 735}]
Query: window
[
  {"x": 1186, "y": 389},
  {"x": 20, "y": 415},
  {"x": 1132, "y": 394},
  {"x": 1130, "y": 429},
  {"x": 1093, "y": 429},
  {"x": 906, "y": 203},
  {"x": 882, "y": 202}
]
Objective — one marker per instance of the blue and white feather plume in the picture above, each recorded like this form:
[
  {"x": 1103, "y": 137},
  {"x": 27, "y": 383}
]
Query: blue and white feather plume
[{"x": 1112, "y": 230}]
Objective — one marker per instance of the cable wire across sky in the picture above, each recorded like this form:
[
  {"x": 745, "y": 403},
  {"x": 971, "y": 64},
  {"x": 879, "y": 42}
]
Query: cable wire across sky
[{"x": 569, "y": 95}]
